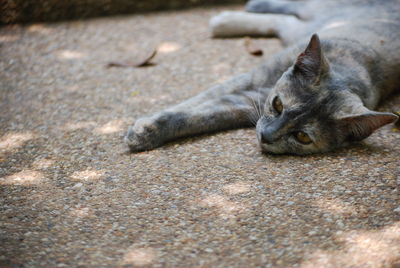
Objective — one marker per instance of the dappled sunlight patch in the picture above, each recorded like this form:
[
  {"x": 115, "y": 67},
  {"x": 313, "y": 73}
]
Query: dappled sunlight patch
[
  {"x": 139, "y": 256},
  {"x": 72, "y": 88},
  {"x": 221, "y": 67},
  {"x": 87, "y": 175},
  {"x": 39, "y": 28},
  {"x": 24, "y": 177},
  {"x": 237, "y": 188},
  {"x": 335, "y": 206},
  {"x": 222, "y": 78},
  {"x": 14, "y": 140},
  {"x": 8, "y": 38},
  {"x": 160, "y": 98},
  {"x": 72, "y": 126},
  {"x": 376, "y": 248},
  {"x": 129, "y": 47},
  {"x": 336, "y": 24},
  {"x": 223, "y": 71},
  {"x": 225, "y": 207},
  {"x": 168, "y": 47},
  {"x": 110, "y": 127},
  {"x": 42, "y": 163},
  {"x": 69, "y": 54},
  {"x": 81, "y": 212}
]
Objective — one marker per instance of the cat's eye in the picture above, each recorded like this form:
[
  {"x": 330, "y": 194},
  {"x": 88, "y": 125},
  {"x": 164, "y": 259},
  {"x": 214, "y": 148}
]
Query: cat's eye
[
  {"x": 302, "y": 137},
  {"x": 277, "y": 104}
]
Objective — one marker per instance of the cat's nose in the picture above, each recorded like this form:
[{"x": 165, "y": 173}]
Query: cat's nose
[
  {"x": 266, "y": 138},
  {"x": 269, "y": 132}
]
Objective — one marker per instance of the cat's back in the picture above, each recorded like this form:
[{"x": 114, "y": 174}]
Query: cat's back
[
  {"x": 365, "y": 32},
  {"x": 376, "y": 16},
  {"x": 371, "y": 23}
]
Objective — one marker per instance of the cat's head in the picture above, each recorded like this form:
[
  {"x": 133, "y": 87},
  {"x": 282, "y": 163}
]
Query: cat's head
[{"x": 311, "y": 110}]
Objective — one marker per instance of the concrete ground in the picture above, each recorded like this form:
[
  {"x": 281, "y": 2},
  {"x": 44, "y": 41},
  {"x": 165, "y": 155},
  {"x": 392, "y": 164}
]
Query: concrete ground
[{"x": 71, "y": 195}]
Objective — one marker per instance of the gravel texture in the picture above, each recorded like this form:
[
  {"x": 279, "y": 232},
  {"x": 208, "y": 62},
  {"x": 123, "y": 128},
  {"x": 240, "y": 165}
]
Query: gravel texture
[{"x": 71, "y": 195}]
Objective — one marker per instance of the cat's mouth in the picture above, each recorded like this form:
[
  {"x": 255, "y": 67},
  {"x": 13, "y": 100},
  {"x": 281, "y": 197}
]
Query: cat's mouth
[
  {"x": 265, "y": 150},
  {"x": 269, "y": 148}
]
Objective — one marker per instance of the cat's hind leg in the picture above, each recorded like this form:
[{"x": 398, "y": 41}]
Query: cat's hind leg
[
  {"x": 226, "y": 106},
  {"x": 276, "y": 7},
  {"x": 238, "y": 23}
]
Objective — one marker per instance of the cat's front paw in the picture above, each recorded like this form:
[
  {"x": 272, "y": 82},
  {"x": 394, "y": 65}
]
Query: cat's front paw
[{"x": 143, "y": 135}]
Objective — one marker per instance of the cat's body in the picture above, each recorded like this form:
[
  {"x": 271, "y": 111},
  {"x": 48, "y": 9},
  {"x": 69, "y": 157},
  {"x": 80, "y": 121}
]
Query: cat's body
[{"x": 314, "y": 99}]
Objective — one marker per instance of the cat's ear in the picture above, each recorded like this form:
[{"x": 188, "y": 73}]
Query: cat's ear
[
  {"x": 311, "y": 64},
  {"x": 359, "y": 127}
]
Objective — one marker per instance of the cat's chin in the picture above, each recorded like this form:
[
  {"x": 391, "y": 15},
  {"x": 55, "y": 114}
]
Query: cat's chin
[{"x": 271, "y": 149}]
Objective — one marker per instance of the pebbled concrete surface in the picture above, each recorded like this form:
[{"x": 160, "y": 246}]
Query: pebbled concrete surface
[{"x": 71, "y": 195}]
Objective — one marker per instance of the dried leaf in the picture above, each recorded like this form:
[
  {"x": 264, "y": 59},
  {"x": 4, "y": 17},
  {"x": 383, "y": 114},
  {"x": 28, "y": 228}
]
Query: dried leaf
[
  {"x": 251, "y": 48},
  {"x": 141, "y": 61}
]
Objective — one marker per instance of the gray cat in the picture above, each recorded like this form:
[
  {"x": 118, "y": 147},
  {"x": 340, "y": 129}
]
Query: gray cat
[{"x": 316, "y": 95}]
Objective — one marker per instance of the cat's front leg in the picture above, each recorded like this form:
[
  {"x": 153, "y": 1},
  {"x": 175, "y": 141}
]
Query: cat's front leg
[
  {"x": 230, "y": 105},
  {"x": 151, "y": 132}
]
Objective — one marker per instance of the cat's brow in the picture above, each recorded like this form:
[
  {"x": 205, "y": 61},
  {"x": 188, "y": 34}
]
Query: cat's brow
[
  {"x": 294, "y": 113},
  {"x": 289, "y": 101}
]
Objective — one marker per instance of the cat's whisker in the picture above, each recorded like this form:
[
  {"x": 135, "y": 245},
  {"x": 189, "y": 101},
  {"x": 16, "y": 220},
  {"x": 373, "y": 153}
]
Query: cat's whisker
[
  {"x": 251, "y": 117},
  {"x": 253, "y": 113},
  {"x": 256, "y": 114},
  {"x": 256, "y": 110},
  {"x": 259, "y": 105}
]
